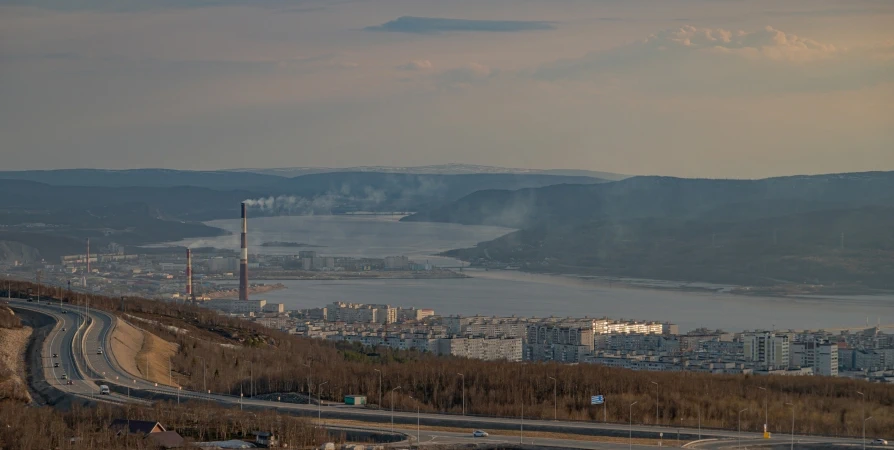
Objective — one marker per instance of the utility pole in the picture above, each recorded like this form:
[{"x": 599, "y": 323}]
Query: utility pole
[
  {"x": 739, "y": 435},
  {"x": 38, "y": 287},
  {"x": 630, "y": 436},
  {"x": 656, "y": 402}
]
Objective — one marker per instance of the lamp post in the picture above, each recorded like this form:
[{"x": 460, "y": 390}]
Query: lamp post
[
  {"x": 464, "y": 392},
  {"x": 392, "y": 408},
  {"x": 309, "y": 376},
  {"x": 699, "y": 409},
  {"x": 555, "y": 399},
  {"x": 864, "y": 429},
  {"x": 739, "y": 435},
  {"x": 656, "y": 402},
  {"x": 380, "y": 387},
  {"x": 766, "y": 410},
  {"x": 204, "y": 383},
  {"x": 863, "y": 416},
  {"x": 320, "y": 403},
  {"x": 630, "y": 437},
  {"x": 792, "y": 447},
  {"x": 418, "y": 435}
]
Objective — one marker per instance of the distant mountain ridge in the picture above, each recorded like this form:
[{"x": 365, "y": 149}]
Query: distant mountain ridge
[
  {"x": 831, "y": 231},
  {"x": 652, "y": 196},
  {"x": 440, "y": 169}
]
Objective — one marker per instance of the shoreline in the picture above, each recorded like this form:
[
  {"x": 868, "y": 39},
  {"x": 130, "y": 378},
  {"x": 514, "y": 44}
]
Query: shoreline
[
  {"x": 349, "y": 276},
  {"x": 696, "y": 287}
]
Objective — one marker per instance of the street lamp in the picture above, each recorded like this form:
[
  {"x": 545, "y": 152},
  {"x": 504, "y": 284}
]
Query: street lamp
[
  {"x": 864, "y": 429},
  {"x": 863, "y": 416},
  {"x": 740, "y": 427},
  {"x": 464, "y": 392},
  {"x": 656, "y": 402},
  {"x": 320, "y": 402},
  {"x": 204, "y": 383},
  {"x": 380, "y": 387},
  {"x": 418, "y": 438},
  {"x": 392, "y": 408},
  {"x": 630, "y": 438},
  {"x": 555, "y": 399},
  {"x": 766, "y": 410},
  {"x": 309, "y": 376},
  {"x": 792, "y": 447}
]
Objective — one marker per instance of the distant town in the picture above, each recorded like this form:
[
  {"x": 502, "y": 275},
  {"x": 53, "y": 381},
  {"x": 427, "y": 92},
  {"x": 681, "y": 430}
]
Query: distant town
[
  {"x": 160, "y": 273},
  {"x": 630, "y": 344}
]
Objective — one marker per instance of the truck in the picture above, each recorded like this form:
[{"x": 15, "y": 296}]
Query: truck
[{"x": 104, "y": 390}]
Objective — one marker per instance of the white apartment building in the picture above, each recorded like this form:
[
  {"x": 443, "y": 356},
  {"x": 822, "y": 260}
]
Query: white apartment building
[
  {"x": 360, "y": 313},
  {"x": 821, "y": 356},
  {"x": 509, "y": 349},
  {"x": 766, "y": 349}
]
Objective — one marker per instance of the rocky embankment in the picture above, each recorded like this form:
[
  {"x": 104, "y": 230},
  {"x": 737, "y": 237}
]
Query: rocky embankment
[{"x": 13, "y": 344}]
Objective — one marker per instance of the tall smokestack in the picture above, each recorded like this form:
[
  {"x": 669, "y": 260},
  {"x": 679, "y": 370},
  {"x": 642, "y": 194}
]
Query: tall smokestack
[
  {"x": 243, "y": 260},
  {"x": 88, "y": 255},
  {"x": 188, "y": 275}
]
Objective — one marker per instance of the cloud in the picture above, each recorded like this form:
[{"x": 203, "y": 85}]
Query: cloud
[
  {"x": 467, "y": 75},
  {"x": 715, "y": 60},
  {"x": 430, "y": 25},
  {"x": 417, "y": 64}
]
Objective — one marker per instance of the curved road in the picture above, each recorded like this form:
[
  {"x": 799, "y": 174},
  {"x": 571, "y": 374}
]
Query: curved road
[{"x": 78, "y": 357}]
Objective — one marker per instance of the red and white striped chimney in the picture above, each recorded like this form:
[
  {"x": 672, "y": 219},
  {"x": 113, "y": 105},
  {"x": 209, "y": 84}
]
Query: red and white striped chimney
[
  {"x": 188, "y": 274},
  {"x": 243, "y": 260}
]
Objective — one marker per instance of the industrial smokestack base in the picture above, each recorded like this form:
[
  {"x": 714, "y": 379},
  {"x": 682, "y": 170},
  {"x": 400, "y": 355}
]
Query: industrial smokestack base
[
  {"x": 243, "y": 260},
  {"x": 188, "y": 275}
]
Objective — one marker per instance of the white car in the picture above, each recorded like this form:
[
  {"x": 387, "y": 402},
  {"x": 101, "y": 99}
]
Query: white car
[
  {"x": 64, "y": 376},
  {"x": 879, "y": 442},
  {"x": 479, "y": 433},
  {"x": 99, "y": 351}
]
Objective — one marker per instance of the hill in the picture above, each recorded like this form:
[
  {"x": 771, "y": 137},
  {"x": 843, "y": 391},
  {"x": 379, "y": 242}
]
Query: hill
[
  {"x": 643, "y": 197},
  {"x": 791, "y": 249},
  {"x": 228, "y": 346},
  {"x": 693, "y": 229}
]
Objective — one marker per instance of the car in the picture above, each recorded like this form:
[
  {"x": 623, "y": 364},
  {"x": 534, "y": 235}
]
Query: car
[
  {"x": 879, "y": 442},
  {"x": 63, "y": 328},
  {"x": 479, "y": 433},
  {"x": 70, "y": 382},
  {"x": 99, "y": 351},
  {"x": 55, "y": 355},
  {"x": 104, "y": 390},
  {"x": 64, "y": 376},
  {"x": 55, "y": 364}
]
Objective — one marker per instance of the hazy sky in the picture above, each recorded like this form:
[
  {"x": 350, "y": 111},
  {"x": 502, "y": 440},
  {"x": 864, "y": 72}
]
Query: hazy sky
[{"x": 714, "y": 88}]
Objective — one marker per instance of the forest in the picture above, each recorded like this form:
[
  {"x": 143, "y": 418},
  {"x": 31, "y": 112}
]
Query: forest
[
  {"x": 28, "y": 428},
  {"x": 241, "y": 356}
]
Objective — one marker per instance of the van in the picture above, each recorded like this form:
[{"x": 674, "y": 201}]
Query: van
[{"x": 104, "y": 390}]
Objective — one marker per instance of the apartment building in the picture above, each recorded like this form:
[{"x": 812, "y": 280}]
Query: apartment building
[
  {"x": 821, "y": 356},
  {"x": 766, "y": 350},
  {"x": 509, "y": 349},
  {"x": 360, "y": 313}
]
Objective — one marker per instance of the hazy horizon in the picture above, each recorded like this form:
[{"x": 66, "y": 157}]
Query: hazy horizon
[{"x": 691, "y": 88}]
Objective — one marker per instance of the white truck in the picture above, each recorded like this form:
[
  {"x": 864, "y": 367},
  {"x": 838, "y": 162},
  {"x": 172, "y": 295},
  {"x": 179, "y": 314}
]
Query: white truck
[{"x": 104, "y": 390}]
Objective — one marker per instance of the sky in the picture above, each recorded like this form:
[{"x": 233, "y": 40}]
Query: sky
[{"x": 693, "y": 88}]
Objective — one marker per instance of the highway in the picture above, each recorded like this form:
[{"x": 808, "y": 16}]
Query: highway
[{"x": 77, "y": 350}]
